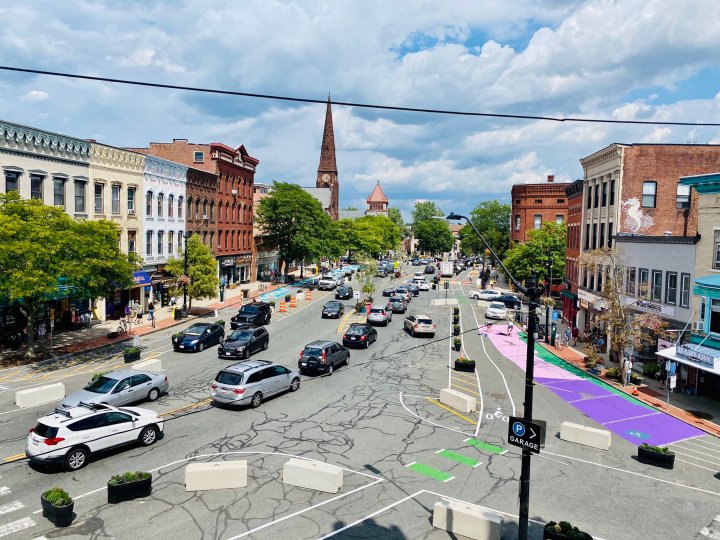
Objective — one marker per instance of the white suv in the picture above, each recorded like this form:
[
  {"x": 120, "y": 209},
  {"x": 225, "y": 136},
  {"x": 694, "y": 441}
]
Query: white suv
[{"x": 70, "y": 436}]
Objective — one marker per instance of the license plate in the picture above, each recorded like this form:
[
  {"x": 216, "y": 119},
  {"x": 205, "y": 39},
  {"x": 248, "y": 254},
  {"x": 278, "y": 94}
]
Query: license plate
[
  {"x": 182, "y": 346},
  {"x": 303, "y": 363},
  {"x": 34, "y": 442},
  {"x": 353, "y": 338}
]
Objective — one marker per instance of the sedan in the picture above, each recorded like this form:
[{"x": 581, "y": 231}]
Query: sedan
[
  {"x": 420, "y": 324},
  {"x": 419, "y": 275},
  {"x": 390, "y": 291},
  {"x": 379, "y": 315},
  {"x": 333, "y": 309},
  {"x": 422, "y": 285},
  {"x": 198, "y": 336},
  {"x": 414, "y": 289},
  {"x": 343, "y": 293},
  {"x": 244, "y": 342},
  {"x": 120, "y": 387},
  {"x": 510, "y": 300},
  {"x": 486, "y": 294},
  {"x": 403, "y": 291},
  {"x": 496, "y": 310},
  {"x": 360, "y": 335},
  {"x": 429, "y": 269}
]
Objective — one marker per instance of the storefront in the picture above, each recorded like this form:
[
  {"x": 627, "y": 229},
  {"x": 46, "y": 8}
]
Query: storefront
[
  {"x": 235, "y": 269},
  {"x": 696, "y": 368},
  {"x": 267, "y": 265},
  {"x": 116, "y": 302},
  {"x": 591, "y": 307},
  {"x": 569, "y": 307}
]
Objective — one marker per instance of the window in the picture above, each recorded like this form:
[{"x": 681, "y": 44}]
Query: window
[
  {"x": 538, "y": 201},
  {"x": 212, "y": 239},
  {"x": 79, "y": 196},
  {"x": 537, "y": 221},
  {"x": 189, "y": 208},
  {"x": 180, "y": 240},
  {"x": 180, "y": 207},
  {"x": 671, "y": 288},
  {"x": 205, "y": 209},
  {"x": 160, "y": 239},
  {"x": 197, "y": 210},
  {"x": 587, "y": 236},
  {"x": 131, "y": 200},
  {"x": 589, "y": 197},
  {"x": 517, "y": 201},
  {"x": 594, "y": 236},
  {"x": 643, "y": 283},
  {"x": 115, "y": 199},
  {"x": 11, "y": 181},
  {"x": 684, "y": 290},
  {"x": 205, "y": 238},
  {"x": 212, "y": 211},
  {"x": 610, "y": 234},
  {"x": 148, "y": 204},
  {"x": 630, "y": 281},
  {"x": 171, "y": 241},
  {"x": 596, "y": 198},
  {"x": 36, "y": 186},
  {"x": 612, "y": 193},
  {"x": 602, "y": 235},
  {"x": 716, "y": 259},
  {"x": 59, "y": 191},
  {"x": 148, "y": 243},
  {"x": 99, "y": 198},
  {"x": 604, "y": 194},
  {"x": 559, "y": 219},
  {"x": 715, "y": 316},
  {"x": 131, "y": 241},
  {"x": 517, "y": 222},
  {"x": 656, "y": 285},
  {"x": 683, "y": 196},
  {"x": 561, "y": 201},
  {"x": 160, "y": 202},
  {"x": 702, "y": 308},
  {"x": 648, "y": 194},
  {"x": 198, "y": 157},
  {"x": 171, "y": 205},
  {"x": 226, "y": 239}
]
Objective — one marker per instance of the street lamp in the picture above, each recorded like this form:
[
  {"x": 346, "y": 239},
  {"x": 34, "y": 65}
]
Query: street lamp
[
  {"x": 547, "y": 304},
  {"x": 187, "y": 235},
  {"x": 532, "y": 291}
]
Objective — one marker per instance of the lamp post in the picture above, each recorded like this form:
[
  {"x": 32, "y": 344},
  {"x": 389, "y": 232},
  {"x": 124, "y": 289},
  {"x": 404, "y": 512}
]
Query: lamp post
[
  {"x": 532, "y": 291},
  {"x": 547, "y": 304},
  {"x": 187, "y": 235}
]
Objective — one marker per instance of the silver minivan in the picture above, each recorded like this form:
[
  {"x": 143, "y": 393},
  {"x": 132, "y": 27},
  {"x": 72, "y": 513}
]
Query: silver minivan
[
  {"x": 251, "y": 381},
  {"x": 379, "y": 315}
]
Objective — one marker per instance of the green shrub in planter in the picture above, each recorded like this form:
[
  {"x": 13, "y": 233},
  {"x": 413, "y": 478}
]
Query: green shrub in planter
[
  {"x": 456, "y": 329},
  {"x": 456, "y": 310},
  {"x": 57, "y": 506},
  {"x": 128, "y": 486},
  {"x": 464, "y": 364},
  {"x": 562, "y": 531},
  {"x": 220, "y": 322},
  {"x": 613, "y": 373},
  {"x": 131, "y": 353},
  {"x": 456, "y": 319},
  {"x": 272, "y": 303},
  {"x": 457, "y": 342}
]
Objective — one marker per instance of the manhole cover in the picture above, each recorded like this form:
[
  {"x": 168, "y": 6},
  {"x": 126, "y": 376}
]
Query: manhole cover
[
  {"x": 498, "y": 395},
  {"x": 701, "y": 414}
]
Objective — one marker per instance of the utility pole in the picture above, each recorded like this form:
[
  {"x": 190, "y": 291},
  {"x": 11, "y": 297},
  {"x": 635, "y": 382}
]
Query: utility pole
[{"x": 533, "y": 292}]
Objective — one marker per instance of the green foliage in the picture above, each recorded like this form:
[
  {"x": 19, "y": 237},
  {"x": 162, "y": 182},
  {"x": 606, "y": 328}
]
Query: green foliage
[
  {"x": 128, "y": 477},
  {"x": 425, "y": 211},
  {"x": 612, "y": 373},
  {"x": 220, "y": 321},
  {"x": 456, "y": 310},
  {"x": 659, "y": 449},
  {"x": 532, "y": 256},
  {"x": 492, "y": 220},
  {"x": 651, "y": 369},
  {"x": 366, "y": 278},
  {"x": 434, "y": 236},
  {"x": 572, "y": 533},
  {"x": 57, "y": 497},
  {"x": 457, "y": 341},
  {"x": 132, "y": 350},
  {"x": 464, "y": 360},
  {"x": 396, "y": 217},
  {"x": 202, "y": 270},
  {"x": 97, "y": 375},
  {"x": 369, "y": 236},
  {"x": 350, "y": 209}
]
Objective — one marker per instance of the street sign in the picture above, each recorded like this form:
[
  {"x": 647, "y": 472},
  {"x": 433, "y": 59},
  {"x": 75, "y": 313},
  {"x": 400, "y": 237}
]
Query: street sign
[
  {"x": 673, "y": 382},
  {"x": 446, "y": 284},
  {"x": 524, "y": 434},
  {"x": 356, "y": 295}
]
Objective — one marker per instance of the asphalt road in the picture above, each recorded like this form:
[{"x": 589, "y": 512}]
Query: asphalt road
[{"x": 380, "y": 419}]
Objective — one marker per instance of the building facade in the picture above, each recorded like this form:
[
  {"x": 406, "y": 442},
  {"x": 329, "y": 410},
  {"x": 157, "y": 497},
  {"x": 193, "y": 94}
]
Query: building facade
[
  {"x": 535, "y": 204},
  {"x": 573, "y": 193},
  {"x": 266, "y": 258},
  {"x": 377, "y": 202},
  {"x": 327, "y": 173}
]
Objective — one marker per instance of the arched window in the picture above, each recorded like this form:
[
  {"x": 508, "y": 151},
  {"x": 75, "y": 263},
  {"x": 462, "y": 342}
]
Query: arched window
[
  {"x": 171, "y": 205},
  {"x": 197, "y": 210},
  {"x": 212, "y": 211},
  {"x": 189, "y": 209},
  {"x": 226, "y": 239},
  {"x": 160, "y": 201},
  {"x": 233, "y": 213},
  {"x": 180, "y": 207},
  {"x": 205, "y": 209},
  {"x": 228, "y": 217}
]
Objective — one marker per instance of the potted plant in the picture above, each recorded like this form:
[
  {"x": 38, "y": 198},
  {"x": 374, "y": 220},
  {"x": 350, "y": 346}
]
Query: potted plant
[
  {"x": 456, "y": 310},
  {"x": 57, "y": 506},
  {"x": 613, "y": 373},
  {"x": 131, "y": 353},
  {"x": 456, "y": 319},
  {"x": 564, "y": 531},
  {"x": 360, "y": 307},
  {"x": 456, "y": 329},
  {"x": 112, "y": 335},
  {"x": 97, "y": 375},
  {"x": 457, "y": 342},
  {"x": 464, "y": 364},
  {"x": 128, "y": 486},
  {"x": 656, "y": 455},
  {"x": 272, "y": 303},
  {"x": 288, "y": 297}
]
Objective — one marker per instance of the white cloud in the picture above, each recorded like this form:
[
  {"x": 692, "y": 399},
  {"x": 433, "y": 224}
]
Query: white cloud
[{"x": 33, "y": 96}]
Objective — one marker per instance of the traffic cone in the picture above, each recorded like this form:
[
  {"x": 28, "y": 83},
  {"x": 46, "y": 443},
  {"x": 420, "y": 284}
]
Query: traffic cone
[
  {"x": 635, "y": 392},
  {"x": 308, "y": 295},
  {"x": 293, "y": 302},
  {"x": 282, "y": 308}
]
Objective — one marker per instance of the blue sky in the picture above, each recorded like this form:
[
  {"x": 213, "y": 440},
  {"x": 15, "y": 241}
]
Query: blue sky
[{"x": 625, "y": 60}]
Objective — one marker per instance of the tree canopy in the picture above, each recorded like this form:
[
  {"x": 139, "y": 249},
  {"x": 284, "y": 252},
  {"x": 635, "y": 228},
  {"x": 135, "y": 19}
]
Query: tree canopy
[
  {"x": 492, "y": 220},
  {"x": 425, "y": 211},
  {"x": 548, "y": 242},
  {"x": 202, "y": 270},
  {"x": 369, "y": 235},
  {"x": 396, "y": 216},
  {"x": 434, "y": 236}
]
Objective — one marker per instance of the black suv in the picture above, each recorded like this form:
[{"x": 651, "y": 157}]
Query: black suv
[
  {"x": 510, "y": 300},
  {"x": 343, "y": 293},
  {"x": 254, "y": 313},
  {"x": 243, "y": 342},
  {"x": 323, "y": 356}
]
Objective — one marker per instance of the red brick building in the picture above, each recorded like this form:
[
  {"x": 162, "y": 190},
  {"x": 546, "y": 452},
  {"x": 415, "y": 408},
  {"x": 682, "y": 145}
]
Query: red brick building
[
  {"x": 200, "y": 193},
  {"x": 574, "y": 195},
  {"x": 233, "y": 199},
  {"x": 535, "y": 204}
]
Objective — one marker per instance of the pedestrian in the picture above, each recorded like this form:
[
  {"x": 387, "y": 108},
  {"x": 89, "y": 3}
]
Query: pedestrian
[
  {"x": 151, "y": 313},
  {"x": 127, "y": 311},
  {"x": 568, "y": 334},
  {"x": 628, "y": 370},
  {"x": 575, "y": 334},
  {"x": 509, "y": 328}
]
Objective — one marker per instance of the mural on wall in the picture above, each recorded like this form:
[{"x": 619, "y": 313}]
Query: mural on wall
[{"x": 634, "y": 219}]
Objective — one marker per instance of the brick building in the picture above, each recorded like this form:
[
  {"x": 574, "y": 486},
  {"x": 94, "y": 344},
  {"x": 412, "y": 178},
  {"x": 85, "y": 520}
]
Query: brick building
[
  {"x": 573, "y": 193},
  {"x": 535, "y": 204},
  {"x": 233, "y": 199}
]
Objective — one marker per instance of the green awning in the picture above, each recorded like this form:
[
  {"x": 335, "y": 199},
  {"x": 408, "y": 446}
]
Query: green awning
[{"x": 571, "y": 295}]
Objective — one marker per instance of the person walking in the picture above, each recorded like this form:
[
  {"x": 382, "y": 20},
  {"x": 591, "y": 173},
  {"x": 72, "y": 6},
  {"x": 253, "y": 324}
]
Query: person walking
[
  {"x": 151, "y": 313},
  {"x": 575, "y": 335},
  {"x": 628, "y": 370},
  {"x": 568, "y": 334}
]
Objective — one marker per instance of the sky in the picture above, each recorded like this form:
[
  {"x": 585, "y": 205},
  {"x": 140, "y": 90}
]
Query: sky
[{"x": 624, "y": 60}]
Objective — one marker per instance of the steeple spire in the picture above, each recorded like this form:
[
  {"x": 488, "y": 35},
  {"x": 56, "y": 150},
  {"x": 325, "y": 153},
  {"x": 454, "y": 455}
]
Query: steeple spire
[{"x": 327, "y": 151}]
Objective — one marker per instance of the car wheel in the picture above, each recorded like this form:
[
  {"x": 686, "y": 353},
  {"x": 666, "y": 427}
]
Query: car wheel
[
  {"x": 295, "y": 384},
  {"x": 256, "y": 400},
  {"x": 347, "y": 360},
  {"x": 153, "y": 394},
  {"x": 76, "y": 459},
  {"x": 330, "y": 369},
  {"x": 246, "y": 353},
  {"x": 367, "y": 344},
  {"x": 267, "y": 319},
  {"x": 266, "y": 344},
  {"x": 201, "y": 346},
  {"x": 148, "y": 436}
]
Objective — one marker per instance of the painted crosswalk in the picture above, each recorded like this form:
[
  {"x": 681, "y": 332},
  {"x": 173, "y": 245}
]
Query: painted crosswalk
[
  {"x": 16, "y": 526},
  {"x": 456, "y": 456},
  {"x": 432, "y": 472},
  {"x": 460, "y": 458}
]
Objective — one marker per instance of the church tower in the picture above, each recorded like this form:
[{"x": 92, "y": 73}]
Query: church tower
[
  {"x": 377, "y": 201},
  {"x": 327, "y": 175}
]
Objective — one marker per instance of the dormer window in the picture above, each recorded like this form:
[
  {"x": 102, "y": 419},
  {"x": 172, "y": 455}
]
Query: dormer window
[{"x": 199, "y": 157}]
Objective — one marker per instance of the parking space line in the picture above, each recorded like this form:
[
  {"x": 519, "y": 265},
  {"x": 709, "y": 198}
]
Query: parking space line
[
  {"x": 16, "y": 526},
  {"x": 450, "y": 410},
  {"x": 486, "y": 446},
  {"x": 465, "y": 389},
  {"x": 186, "y": 407},
  {"x": 454, "y": 456},
  {"x": 426, "y": 470}
]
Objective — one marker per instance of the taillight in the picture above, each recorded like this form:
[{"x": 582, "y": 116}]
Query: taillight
[
  {"x": 416, "y": 327},
  {"x": 323, "y": 358},
  {"x": 213, "y": 386},
  {"x": 238, "y": 390},
  {"x": 165, "y": 378},
  {"x": 53, "y": 441},
  {"x": 301, "y": 353},
  {"x": 362, "y": 338},
  {"x": 31, "y": 430}
]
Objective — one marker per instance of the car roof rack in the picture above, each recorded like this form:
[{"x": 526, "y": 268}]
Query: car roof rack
[
  {"x": 92, "y": 406},
  {"x": 58, "y": 410}
]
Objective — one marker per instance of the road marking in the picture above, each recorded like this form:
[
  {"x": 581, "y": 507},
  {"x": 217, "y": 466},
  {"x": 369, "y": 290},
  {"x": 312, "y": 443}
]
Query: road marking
[
  {"x": 631, "y": 418},
  {"x": 7, "y": 508},
  {"x": 16, "y": 457},
  {"x": 486, "y": 446},
  {"x": 426, "y": 470},
  {"x": 465, "y": 389},
  {"x": 425, "y": 419},
  {"x": 450, "y": 410},
  {"x": 594, "y": 397},
  {"x": 465, "y": 460},
  {"x": 4, "y": 490},
  {"x": 463, "y": 379},
  {"x": 15, "y": 526},
  {"x": 686, "y": 441},
  {"x": 693, "y": 457},
  {"x": 696, "y": 465},
  {"x": 186, "y": 407},
  {"x": 343, "y": 321}
]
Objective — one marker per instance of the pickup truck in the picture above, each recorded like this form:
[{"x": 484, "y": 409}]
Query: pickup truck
[{"x": 327, "y": 283}]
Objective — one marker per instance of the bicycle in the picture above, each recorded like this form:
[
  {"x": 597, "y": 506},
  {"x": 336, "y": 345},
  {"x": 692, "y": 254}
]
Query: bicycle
[
  {"x": 560, "y": 343},
  {"x": 262, "y": 287},
  {"x": 123, "y": 327}
]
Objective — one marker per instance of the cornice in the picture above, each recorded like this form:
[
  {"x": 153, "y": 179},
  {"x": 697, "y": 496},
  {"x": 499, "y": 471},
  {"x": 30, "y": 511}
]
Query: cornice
[
  {"x": 110, "y": 158},
  {"x": 116, "y": 170},
  {"x": 610, "y": 153},
  {"x": 163, "y": 168},
  {"x": 36, "y": 141},
  {"x": 43, "y": 157}
]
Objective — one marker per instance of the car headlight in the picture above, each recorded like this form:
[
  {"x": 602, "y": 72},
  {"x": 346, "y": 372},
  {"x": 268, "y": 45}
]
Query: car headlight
[{"x": 194, "y": 342}]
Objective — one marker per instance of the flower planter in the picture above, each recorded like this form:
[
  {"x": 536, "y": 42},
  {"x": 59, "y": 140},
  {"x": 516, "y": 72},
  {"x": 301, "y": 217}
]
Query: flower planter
[
  {"x": 652, "y": 457},
  {"x": 60, "y": 516},
  {"x": 456, "y": 331},
  {"x": 464, "y": 366},
  {"x": 131, "y": 356},
  {"x": 288, "y": 297},
  {"x": 457, "y": 346},
  {"x": 549, "y": 534},
  {"x": 128, "y": 491}
]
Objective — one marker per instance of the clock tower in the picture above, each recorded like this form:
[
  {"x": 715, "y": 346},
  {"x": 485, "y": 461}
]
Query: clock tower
[{"x": 327, "y": 175}]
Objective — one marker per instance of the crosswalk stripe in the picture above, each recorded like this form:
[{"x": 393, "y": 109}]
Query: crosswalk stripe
[
  {"x": 15, "y": 526},
  {"x": 4, "y": 490},
  {"x": 430, "y": 471},
  {"x": 7, "y": 508},
  {"x": 465, "y": 460}
]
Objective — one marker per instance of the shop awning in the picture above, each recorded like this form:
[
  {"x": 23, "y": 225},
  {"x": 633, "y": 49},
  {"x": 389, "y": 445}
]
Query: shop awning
[
  {"x": 141, "y": 277},
  {"x": 708, "y": 286},
  {"x": 703, "y": 358}
]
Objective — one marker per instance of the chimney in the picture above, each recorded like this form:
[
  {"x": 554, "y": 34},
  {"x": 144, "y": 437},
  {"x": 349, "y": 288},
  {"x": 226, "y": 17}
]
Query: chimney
[{"x": 551, "y": 178}]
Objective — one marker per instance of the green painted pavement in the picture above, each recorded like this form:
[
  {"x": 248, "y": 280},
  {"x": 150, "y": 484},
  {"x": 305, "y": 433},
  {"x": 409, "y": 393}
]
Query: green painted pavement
[
  {"x": 462, "y": 299},
  {"x": 459, "y": 458},
  {"x": 486, "y": 446},
  {"x": 442, "y": 476}
]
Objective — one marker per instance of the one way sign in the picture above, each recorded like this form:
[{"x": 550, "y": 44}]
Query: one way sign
[{"x": 524, "y": 434}]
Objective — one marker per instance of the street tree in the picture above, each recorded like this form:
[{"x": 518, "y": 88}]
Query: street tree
[
  {"x": 202, "y": 281},
  {"x": 366, "y": 278},
  {"x": 396, "y": 216},
  {"x": 42, "y": 249},
  {"x": 369, "y": 236},
  {"x": 544, "y": 244},
  {"x": 492, "y": 220},
  {"x": 425, "y": 211},
  {"x": 434, "y": 236}
]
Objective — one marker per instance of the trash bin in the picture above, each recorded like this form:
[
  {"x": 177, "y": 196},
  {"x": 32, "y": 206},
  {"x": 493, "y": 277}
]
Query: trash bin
[
  {"x": 177, "y": 313},
  {"x": 245, "y": 292}
]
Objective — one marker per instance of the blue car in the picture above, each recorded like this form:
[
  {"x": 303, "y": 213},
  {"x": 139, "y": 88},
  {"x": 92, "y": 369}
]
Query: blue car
[{"x": 198, "y": 337}]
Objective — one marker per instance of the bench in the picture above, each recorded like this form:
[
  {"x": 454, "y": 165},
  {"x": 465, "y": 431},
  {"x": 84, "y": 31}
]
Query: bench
[
  {"x": 467, "y": 520},
  {"x": 216, "y": 475},
  {"x": 312, "y": 475},
  {"x": 585, "y": 435},
  {"x": 457, "y": 400}
]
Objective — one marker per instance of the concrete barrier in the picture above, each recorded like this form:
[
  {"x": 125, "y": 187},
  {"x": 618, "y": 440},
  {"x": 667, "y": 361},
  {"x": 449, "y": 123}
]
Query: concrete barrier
[
  {"x": 39, "y": 395},
  {"x": 457, "y": 400},
  {"x": 216, "y": 475},
  {"x": 312, "y": 475},
  {"x": 154, "y": 364},
  {"x": 467, "y": 520},
  {"x": 588, "y": 436}
]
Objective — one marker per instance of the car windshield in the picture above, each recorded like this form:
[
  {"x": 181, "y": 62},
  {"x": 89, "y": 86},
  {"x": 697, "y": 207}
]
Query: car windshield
[
  {"x": 356, "y": 331},
  {"x": 195, "y": 331},
  {"x": 497, "y": 305},
  {"x": 45, "y": 431},
  {"x": 342, "y": 289},
  {"x": 101, "y": 385},
  {"x": 312, "y": 351},
  {"x": 401, "y": 289},
  {"x": 249, "y": 309},
  {"x": 377, "y": 310},
  {"x": 240, "y": 335},
  {"x": 333, "y": 305},
  {"x": 228, "y": 377},
  {"x": 425, "y": 321}
]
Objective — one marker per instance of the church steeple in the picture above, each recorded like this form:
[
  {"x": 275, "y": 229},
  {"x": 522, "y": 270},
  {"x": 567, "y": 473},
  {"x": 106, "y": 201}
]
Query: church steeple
[{"x": 327, "y": 174}]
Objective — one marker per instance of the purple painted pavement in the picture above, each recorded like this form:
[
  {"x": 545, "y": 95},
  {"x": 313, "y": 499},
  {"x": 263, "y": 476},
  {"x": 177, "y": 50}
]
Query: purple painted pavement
[{"x": 630, "y": 419}]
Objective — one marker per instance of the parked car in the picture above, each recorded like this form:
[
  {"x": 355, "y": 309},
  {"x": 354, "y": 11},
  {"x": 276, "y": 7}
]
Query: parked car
[
  {"x": 344, "y": 293},
  {"x": 429, "y": 269},
  {"x": 198, "y": 336},
  {"x": 71, "y": 436},
  {"x": 420, "y": 324},
  {"x": 396, "y": 305},
  {"x": 379, "y": 315},
  {"x": 485, "y": 294},
  {"x": 251, "y": 381},
  {"x": 414, "y": 289},
  {"x": 390, "y": 291},
  {"x": 510, "y": 300},
  {"x": 253, "y": 313},
  {"x": 359, "y": 335},
  {"x": 416, "y": 262},
  {"x": 323, "y": 356},
  {"x": 403, "y": 291},
  {"x": 120, "y": 387},
  {"x": 243, "y": 342},
  {"x": 419, "y": 275},
  {"x": 496, "y": 310},
  {"x": 333, "y": 309}
]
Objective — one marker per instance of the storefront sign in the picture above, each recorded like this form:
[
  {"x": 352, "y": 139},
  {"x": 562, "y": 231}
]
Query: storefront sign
[
  {"x": 589, "y": 300},
  {"x": 673, "y": 381},
  {"x": 227, "y": 262},
  {"x": 696, "y": 356},
  {"x": 141, "y": 277},
  {"x": 652, "y": 307}
]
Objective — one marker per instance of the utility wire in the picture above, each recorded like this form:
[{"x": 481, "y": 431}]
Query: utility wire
[{"x": 353, "y": 104}]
